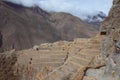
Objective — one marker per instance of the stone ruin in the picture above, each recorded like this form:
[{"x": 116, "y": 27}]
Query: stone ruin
[{"x": 96, "y": 58}]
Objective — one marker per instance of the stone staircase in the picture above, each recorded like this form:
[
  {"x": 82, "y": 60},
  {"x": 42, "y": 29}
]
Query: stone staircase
[
  {"x": 75, "y": 66},
  {"x": 42, "y": 61}
]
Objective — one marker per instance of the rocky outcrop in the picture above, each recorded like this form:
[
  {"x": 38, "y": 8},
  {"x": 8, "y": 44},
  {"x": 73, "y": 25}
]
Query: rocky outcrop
[{"x": 110, "y": 46}]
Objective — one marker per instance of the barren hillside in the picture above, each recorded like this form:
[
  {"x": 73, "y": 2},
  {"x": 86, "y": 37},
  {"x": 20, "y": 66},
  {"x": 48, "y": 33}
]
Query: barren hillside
[
  {"x": 71, "y": 27},
  {"x": 23, "y": 27}
]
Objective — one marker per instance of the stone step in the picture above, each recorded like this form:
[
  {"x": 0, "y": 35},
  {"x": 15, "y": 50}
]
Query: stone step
[
  {"x": 80, "y": 61},
  {"x": 65, "y": 70},
  {"x": 53, "y": 56},
  {"x": 89, "y": 78},
  {"x": 66, "y": 73},
  {"x": 79, "y": 40},
  {"x": 72, "y": 66},
  {"x": 73, "y": 51},
  {"x": 29, "y": 60},
  {"x": 46, "y": 64},
  {"x": 48, "y": 54},
  {"x": 48, "y": 60},
  {"x": 81, "y": 58},
  {"x": 93, "y": 41},
  {"x": 87, "y": 57},
  {"x": 24, "y": 56},
  {"x": 57, "y": 48},
  {"x": 90, "y": 51},
  {"x": 53, "y": 52},
  {"x": 27, "y": 52},
  {"x": 94, "y": 46},
  {"x": 56, "y": 75},
  {"x": 74, "y": 47}
]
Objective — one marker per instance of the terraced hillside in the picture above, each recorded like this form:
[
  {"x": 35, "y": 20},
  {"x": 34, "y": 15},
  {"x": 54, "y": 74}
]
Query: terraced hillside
[
  {"x": 96, "y": 58},
  {"x": 75, "y": 66},
  {"x": 55, "y": 61}
]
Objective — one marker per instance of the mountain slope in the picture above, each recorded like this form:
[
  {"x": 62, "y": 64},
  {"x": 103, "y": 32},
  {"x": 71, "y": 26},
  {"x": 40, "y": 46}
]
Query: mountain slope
[
  {"x": 70, "y": 26},
  {"x": 23, "y": 27}
]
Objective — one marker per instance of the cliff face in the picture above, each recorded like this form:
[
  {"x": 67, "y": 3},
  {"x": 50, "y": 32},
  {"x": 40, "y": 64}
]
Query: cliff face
[{"x": 111, "y": 44}]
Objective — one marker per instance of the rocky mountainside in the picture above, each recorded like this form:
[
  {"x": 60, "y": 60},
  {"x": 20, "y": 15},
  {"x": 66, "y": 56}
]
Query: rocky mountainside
[
  {"x": 110, "y": 51},
  {"x": 96, "y": 58},
  {"x": 71, "y": 27},
  {"x": 111, "y": 45},
  {"x": 23, "y": 27}
]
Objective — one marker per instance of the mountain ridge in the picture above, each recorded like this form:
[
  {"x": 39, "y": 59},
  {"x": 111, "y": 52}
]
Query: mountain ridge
[
  {"x": 23, "y": 22},
  {"x": 36, "y": 27}
]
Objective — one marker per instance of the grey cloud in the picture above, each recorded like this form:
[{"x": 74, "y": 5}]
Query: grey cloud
[{"x": 76, "y": 7}]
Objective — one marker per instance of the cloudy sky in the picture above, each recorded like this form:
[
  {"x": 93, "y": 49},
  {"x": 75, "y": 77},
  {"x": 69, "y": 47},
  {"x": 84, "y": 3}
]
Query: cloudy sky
[{"x": 76, "y": 7}]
